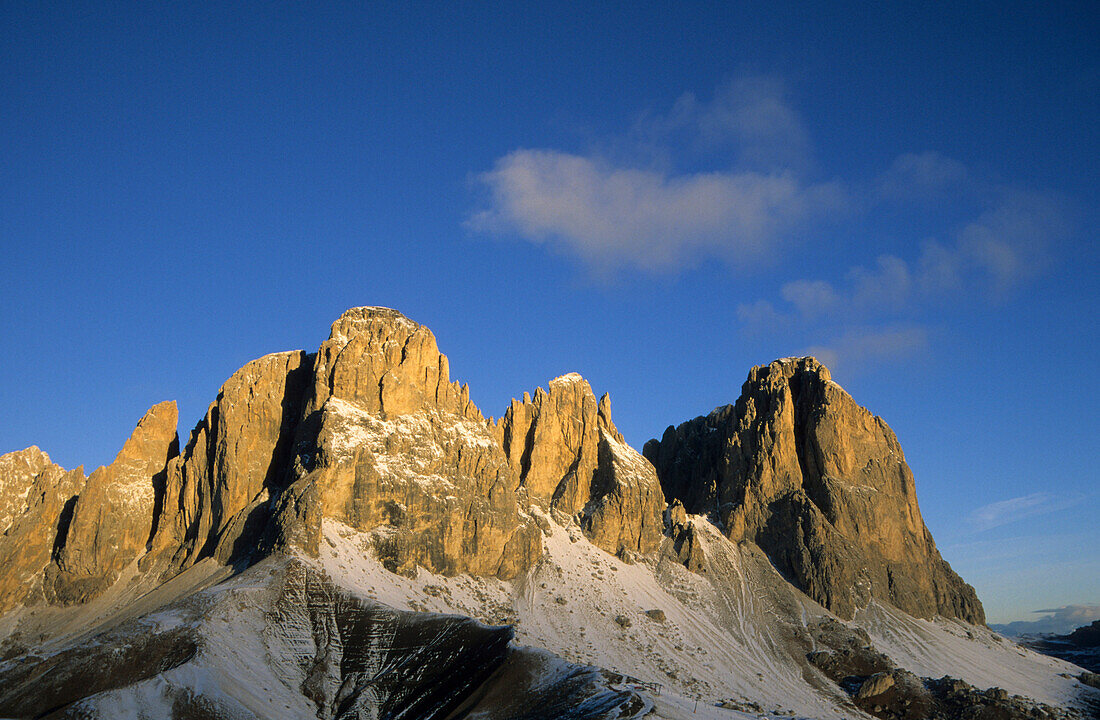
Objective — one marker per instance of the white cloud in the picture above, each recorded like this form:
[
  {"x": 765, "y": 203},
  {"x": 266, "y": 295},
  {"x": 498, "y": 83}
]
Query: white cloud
[
  {"x": 613, "y": 216},
  {"x": 883, "y": 287},
  {"x": 1009, "y": 242},
  {"x": 914, "y": 176},
  {"x": 875, "y": 291},
  {"x": 1014, "y": 509},
  {"x": 811, "y": 298},
  {"x": 761, "y": 315},
  {"x": 939, "y": 269},
  {"x": 857, "y": 347},
  {"x": 991, "y": 255},
  {"x": 750, "y": 117}
]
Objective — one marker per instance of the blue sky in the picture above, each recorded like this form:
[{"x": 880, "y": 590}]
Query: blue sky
[{"x": 656, "y": 198}]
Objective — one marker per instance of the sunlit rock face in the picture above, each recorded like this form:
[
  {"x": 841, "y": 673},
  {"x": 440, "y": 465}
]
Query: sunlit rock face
[
  {"x": 337, "y": 519},
  {"x": 112, "y": 519},
  {"x": 567, "y": 456},
  {"x": 370, "y": 431},
  {"x": 389, "y": 444},
  {"x": 217, "y": 491},
  {"x": 36, "y": 507},
  {"x": 821, "y": 485}
]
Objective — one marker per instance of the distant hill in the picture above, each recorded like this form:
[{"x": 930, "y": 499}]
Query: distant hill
[{"x": 1080, "y": 647}]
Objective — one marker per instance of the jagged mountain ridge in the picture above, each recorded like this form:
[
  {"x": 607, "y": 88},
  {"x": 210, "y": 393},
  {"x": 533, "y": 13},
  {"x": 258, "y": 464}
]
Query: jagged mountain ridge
[
  {"x": 293, "y": 437},
  {"x": 370, "y": 436}
]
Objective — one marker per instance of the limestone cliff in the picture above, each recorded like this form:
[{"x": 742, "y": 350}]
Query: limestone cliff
[
  {"x": 821, "y": 485},
  {"x": 216, "y": 492},
  {"x": 567, "y": 455},
  {"x": 389, "y": 444},
  {"x": 112, "y": 520},
  {"x": 370, "y": 432},
  {"x": 36, "y": 507}
]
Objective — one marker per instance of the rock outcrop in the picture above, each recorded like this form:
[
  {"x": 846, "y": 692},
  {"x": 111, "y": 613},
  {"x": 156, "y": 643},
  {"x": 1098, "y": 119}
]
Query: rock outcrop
[
  {"x": 112, "y": 520},
  {"x": 390, "y": 445},
  {"x": 369, "y": 432},
  {"x": 821, "y": 485},
  {"x": 567, "y": 456},
  {"x": 36, "y": 507},
  {"x": 217, "y": 491}
]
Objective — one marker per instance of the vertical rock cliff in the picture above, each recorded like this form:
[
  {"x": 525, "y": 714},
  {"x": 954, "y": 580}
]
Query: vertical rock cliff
[
  {"x": 112, "y": 519},
  {"x": 821, "y": 485},
  {"x": 370, "y": 433},
  {"x": 217, "y": 491},
  {"x": 389, "y": 445},
  {"x": 567, "y": 455},
  {"x": 36, "y": 508}
]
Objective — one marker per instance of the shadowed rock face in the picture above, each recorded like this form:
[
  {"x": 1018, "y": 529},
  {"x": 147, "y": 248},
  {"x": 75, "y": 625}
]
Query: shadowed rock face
[{"x": 821, "y": 485}]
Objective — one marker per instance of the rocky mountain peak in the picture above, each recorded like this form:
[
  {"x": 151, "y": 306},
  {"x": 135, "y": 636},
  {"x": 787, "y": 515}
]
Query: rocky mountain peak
[
  {"x": 17, "y": 473},
  {"x": 384, "y": 362},
  {"x": 144, "y": 454},
  {"x": 370, "y": 433},
  {"x": 112, "y": 517},
  {"x": 567, "y": 456},
  {"x": 821, "y": 485}
]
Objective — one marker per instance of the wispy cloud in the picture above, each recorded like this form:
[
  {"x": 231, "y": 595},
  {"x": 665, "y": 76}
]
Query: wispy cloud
[
  {"x": 921, "y": 176},
  {"x": 750, "y": 116},
  {"x": 629, "y": 207},
  {"x": 612, "y": 216},
  {"x": 858, "y": 347},
  {"x": 984, "y": 260},
  {"x": 1019, "y": 508},
  {"x": 730, "y": 177}
]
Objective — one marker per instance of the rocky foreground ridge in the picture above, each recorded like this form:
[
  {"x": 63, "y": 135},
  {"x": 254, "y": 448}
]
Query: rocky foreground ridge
[{"x": 361, "y": 475}]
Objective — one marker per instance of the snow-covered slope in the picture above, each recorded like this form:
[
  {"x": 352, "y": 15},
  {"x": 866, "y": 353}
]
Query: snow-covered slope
[
  {"x": 735, "y": 635},
  {"x": 280, "y": 640},
  {"x": 339, "y": 636}
]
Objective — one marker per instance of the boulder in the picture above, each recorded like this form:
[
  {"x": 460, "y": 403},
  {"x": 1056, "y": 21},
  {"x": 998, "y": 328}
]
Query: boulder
[{"x": 875, "y": 686}]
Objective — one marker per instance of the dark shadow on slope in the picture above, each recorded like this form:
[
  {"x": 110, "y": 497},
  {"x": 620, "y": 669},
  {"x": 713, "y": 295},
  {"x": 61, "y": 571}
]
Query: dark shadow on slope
[
  {"x": 34, "y": 686},
  {"x": 63, "y": 522}
]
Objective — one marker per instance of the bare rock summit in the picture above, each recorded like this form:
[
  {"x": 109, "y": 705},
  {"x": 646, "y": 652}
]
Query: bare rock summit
[
  {"x": 112, "y": 519},
  {"x": 821, "y": 485}
]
